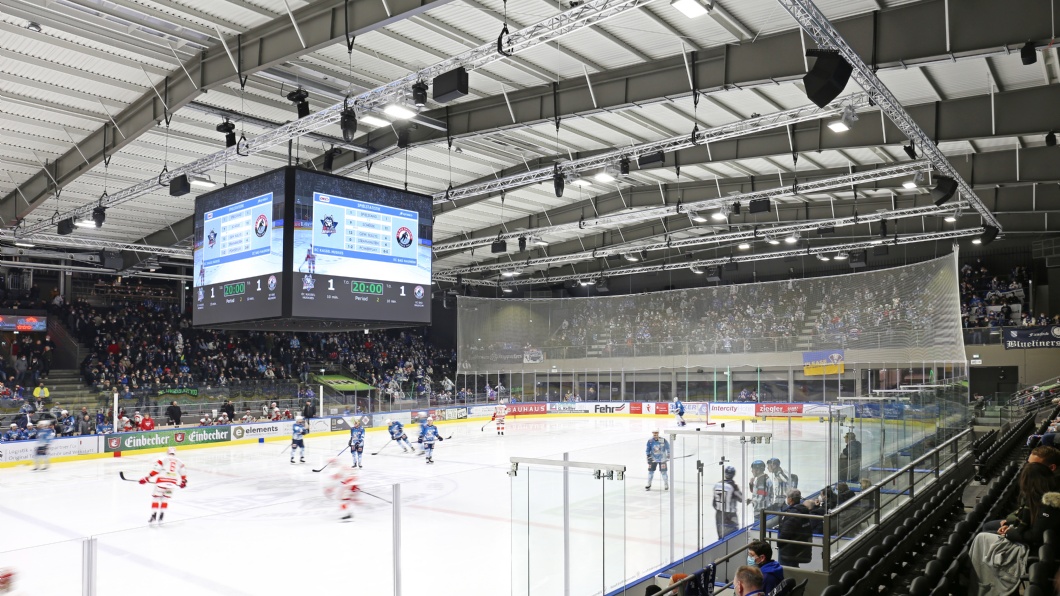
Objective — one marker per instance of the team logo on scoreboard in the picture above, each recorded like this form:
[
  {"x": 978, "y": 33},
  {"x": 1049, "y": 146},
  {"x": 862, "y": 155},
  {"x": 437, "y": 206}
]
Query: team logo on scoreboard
[
  {"x": 308, "y": 283},
  {"x": 418, "y": 292},
  {"x": 212, "y": 237},
  {"x": 201, "y": 295},
  {"x": 404, "y": 237},
  {"x": 329, "y": 226},
  {"x": 272, "y": 282},
  {"x": 261, "y": 225}
]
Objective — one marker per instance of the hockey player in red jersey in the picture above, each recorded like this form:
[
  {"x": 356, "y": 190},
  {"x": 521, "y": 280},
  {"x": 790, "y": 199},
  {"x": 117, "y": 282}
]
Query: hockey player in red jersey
[
  {"x": 167, "y": 473},
  {"x": 498, "y": 417},
  {"x": 343, "y": 487}
]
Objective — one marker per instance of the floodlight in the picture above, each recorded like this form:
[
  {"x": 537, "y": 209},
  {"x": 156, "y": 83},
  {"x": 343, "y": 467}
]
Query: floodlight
[
  {"x": 772, "y": 240},
  {"x": 25, "y": 244},
  {"x": 84, "y": 223},
  {"x": 690, "y": 8},
  {"x": 696, "y": 217},
  {"x": 376, "y": 121},
  {"x": 841, "y": 256},
  {"x": 631, "y": 257},
  {"x": 399, "y": 111},
  {"x": 720, "y": 215},
  {"x": 696, "y": 270},
  {"x": 744, "y": 246},
  {"x": 201, "y": 180},
  {"x": 793, "y": 238},
  {"x": 506, "y": 290},
  {"x": 538, "y": 241},
  {"x": 509, "y": 273},
  {"x": 845, "y": 122},
  {"x": 823, "y": 257}
]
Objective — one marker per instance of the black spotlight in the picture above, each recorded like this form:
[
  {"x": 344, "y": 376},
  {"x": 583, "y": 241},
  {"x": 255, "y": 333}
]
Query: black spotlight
[
  {"x": 99, "y": 215},
  {"x": 65, "y": 227},
  {"x": 348, "y": 124},
  {"x": 643, "y": 255},
  {"x": 1028, "y": 53},
  {"x": 736, "y": 208},
  {"x": 229, "y": 131},
  {"x": 883, "y": 228},
  {"x": 298, "y": 97},
  {"x": 522, "y": 243},
  {"x": 329, "y": 158},
  {"x": 910, "y": 149},
  {"x": 827, "y": 78},
  {"x": 1050, "y": 139},
  {"x": 989, "y": 234},
  {"x": 402, "y": 137},
  {"x": 623, "y": 166},
  {"x": 419, "y": 94},
  {"x": 944, "y": 190},
  {"x": 558, "y": 182}
]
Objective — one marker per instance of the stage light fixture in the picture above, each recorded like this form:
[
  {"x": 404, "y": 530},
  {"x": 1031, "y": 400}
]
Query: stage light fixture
[
  {"x": 793, "y": 238},
  {"x": 690, "y": 8},
  {"x": 822, "y": 257},
  {"x": 99, "y": 215},
  {"x": 201, "y": 180},
  {"x": 419, "y": 94},
  {"x": 696, "y": 217},
  {"x": 841, "y": 256},
  {"x": 910, "y": 149},
  {"x": 375, "y": 121},
  {"x": 299, "y": 98},
  {"x": 623, "y": 166},
  {"x": 65, "y": 227},
  {"x": 631, "y": 257},
  {"x": 228, "y": 129},
  {"x": 522, "y": 243},
  {"x": 399, "y": 111},
  {"x": 744, "y": 246},
  {"x": 644, "y": 255},
  {"x": 1050, "y": 139},
  {"x": 846, "y": 120},
  {"x": 348, "y": 124},
  {"x": 558, "y": 181},
  {"x": 1028, "y": 53},
  {"x": 772, "y": 240}
]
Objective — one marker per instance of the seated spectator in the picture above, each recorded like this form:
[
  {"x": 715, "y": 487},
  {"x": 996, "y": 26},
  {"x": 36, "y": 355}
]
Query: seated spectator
[
  {"x": 748, "y": 581},
  {"x": 760, "y": 555},
  {"x": 86, "y": 426},
  {"x": 147, "y": 423},
  {"x": 1050, "y": 458},
  {"x": 796, "y": 529},
  {"x": 997, "y": 560}
]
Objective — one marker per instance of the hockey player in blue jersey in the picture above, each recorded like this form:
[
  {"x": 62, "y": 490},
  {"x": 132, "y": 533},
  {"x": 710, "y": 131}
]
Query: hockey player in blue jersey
[
  {"x": 397, "y": 434},
  {"x": 679, "y": 411},
  {"x": 356, "y": 443},
  {"x": 45, "y": 434},
  {"x": 14, "y": 434},
  {"x": 298, "y": 432},
  {"x": 428, "y": 437},
  {"x": 658, "y": 452},
  {"x": 423, "y": 428}
]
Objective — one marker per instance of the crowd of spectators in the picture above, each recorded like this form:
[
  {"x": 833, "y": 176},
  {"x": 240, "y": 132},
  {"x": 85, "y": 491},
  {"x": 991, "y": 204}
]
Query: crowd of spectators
[{"x": 989, "y": 299}]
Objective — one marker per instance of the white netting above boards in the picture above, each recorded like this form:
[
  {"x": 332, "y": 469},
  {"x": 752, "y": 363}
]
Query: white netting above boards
[{"x": 904, "y": 314}]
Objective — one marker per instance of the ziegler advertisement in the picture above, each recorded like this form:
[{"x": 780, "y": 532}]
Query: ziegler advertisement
[
  {"x": 196, "y": 435},
  {"x": 23, "y": 450}
]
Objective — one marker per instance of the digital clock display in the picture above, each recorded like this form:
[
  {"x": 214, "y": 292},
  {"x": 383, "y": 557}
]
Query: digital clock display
[
  {"x": 363, "y": 287},
  {"x": 236, "y": 289}
]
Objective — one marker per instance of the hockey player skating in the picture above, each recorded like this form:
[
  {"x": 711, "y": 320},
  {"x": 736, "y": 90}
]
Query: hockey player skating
[
  {"x": 298, "y": 433},
  {"x": 658, "y": 452},
  {"x": 343, "y": 487},
  {"x": 761, "y": 488},
  {"x": 428, "y": 437},
  {"x": 498, "y": 416},
  {"x": 310, "y": 261},
  {"x": 397, "y": 434},
  {"x": 356, "y": 443},
  {"x": 45, "y": 434},
  {"x": 168, "y": 472},
  {"x": 727, "y": 499},
  {"x": 679, "y": 412},
  {"x": 202, "y": 275},
  {"x": 423, "y": 428}
]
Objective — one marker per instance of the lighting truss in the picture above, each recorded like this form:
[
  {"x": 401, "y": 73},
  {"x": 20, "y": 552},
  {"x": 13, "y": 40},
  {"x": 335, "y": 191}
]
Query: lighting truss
[
  {"x": 702, "y": 137},
  {"x": 817, "y": 26},
  {"x": 722, "y": 238},
  {"x": 858, "y": 178},
  {"x": 549, "y": 30},
  {"x": 74, "y": 241},
  {"x": 799, "y": 252}
]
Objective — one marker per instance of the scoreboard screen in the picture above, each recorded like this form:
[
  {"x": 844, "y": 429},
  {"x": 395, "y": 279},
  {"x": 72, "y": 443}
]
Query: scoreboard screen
[{"x": 238, "y": 253}]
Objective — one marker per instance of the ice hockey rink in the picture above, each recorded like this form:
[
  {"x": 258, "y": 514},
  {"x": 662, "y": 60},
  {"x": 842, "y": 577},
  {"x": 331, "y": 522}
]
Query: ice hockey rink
[{"x": 250, "y": 523}]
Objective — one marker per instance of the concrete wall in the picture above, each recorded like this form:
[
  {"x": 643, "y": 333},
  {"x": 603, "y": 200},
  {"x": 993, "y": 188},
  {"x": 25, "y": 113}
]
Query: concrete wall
[{"x": 1034, "y": 365}]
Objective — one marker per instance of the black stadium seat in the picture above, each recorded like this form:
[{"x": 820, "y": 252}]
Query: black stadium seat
[{"x": 921, "y": 586}]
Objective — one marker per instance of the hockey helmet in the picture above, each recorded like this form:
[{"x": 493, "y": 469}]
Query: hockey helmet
[
  {"x": 389, "y": 422},
  {"x": 171, "y": 451},
  {"x": 654, "y": 431},
  {"x": 43, "y": 423},
  {"x": 14, "y": 425},
  {"x": 430, "y": 420},
  {"x": 356, "y": 421},
  {"x": 65, "y": 413},
  {"x": 773, "y": 461},
  {"x": 298, "y": 418},
  {"x": 675, "y": 398},
  {"x": 730, "y": 472},
  {"x": 759, "y": 464}
]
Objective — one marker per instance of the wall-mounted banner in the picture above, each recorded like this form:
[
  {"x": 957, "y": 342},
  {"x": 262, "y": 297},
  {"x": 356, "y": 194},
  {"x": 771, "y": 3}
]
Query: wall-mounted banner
[
  {"x": 23, "y": 450},
  {"x": 823, "y": 362},
  {"x": 1015, "y": 338},
  {"x": 533, "y": 356},
  {"x": 194, "y": 435}
]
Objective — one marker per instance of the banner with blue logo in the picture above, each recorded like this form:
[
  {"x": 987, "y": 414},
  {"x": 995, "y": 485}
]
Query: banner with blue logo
[
  {"x": 1016, "y": 338},
  {"x": 823, "y": 362}
]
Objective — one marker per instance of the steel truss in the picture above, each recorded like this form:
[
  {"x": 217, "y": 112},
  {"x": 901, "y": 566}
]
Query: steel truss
[
  {"x": 700, "y": 137},
  {"x": 758, "y": 233},
  {"x": 74, "y": 241},
  {"x": 817, "y": 26},
  {"x": 800, "y": 252},
  {"x": 546, "y": 31},
  {"x": 857, "y": 178}
]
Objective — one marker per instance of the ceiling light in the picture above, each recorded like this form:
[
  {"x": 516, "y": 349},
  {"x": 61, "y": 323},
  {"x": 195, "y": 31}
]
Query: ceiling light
[
  {"x": 399, "y": 111},
  {"x": 201, "y": 180},
  {"x": 909, "y": 184},
  {"x": 576, "y": 179},
  {"x": 696, "y": 270},
  {"x": 376, "y": 121},
  {"x": 85, "y": 223},
  {"x": 228, "y": 129},
  {"x": 719, "y": 215},
  {"x": 696, "y": 217},
  {"x": 793, "y": 238},
  {"x": 506, "y": 290},
  {"x": 823, "y": 257},
  {"x": 608, "y": 174},
  {"x": 952, "y": 217},
  {"x": 877, "y": 242},
  {"x": 419, "y": 94},
  {"x": 977, "y": 241},
  {"x": 24, "y": 244},
  {"x": 841, "y": 256},
  {"x": 509, "y": 273},
  {"x": 744, "y": 246},
  {"x": 631, "y": 257},
  {"x": 690, "y": 8},
  {"x": 845, "y": 122},
  {"x": 584, "y": 282},
  {"x": 538, "y": 241},
  {"x": 772, "y": 240}
]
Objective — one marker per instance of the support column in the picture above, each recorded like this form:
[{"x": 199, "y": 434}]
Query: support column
[
  {"x": 674, "y": 384},
  {"x": 791, "y": 384},
  {"x": 396, "y": 532}
]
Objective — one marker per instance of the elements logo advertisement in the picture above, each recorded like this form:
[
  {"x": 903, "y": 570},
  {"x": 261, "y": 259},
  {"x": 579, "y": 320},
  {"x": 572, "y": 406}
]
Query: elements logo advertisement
[
  {"x": 328, "y": 226},
  {"x": 308, "y": 283},
  {"x": 418, "y": 292},
  {"x": 212, "y": 237},
  {"x": 272, "y": 283},
  {"x": 404, "y": 237},
  {"x": 261, "y": 225}
]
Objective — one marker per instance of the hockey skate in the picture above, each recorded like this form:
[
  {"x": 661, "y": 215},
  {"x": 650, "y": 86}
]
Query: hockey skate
[
  {"x": 430, "y": 461},
  {"x": 666, "y": 486},
  {"x": 647, "y": 487},
  {"x": 292, "y": 460},
  {"x": 302, "y": 460},
  {"x": 347, "y": 518},
  {"x": 154, "y": 517}
]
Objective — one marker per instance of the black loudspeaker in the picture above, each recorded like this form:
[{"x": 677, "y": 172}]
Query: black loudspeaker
[
  {"x": 651, "y": 159},
  {"x": 825, "y": 230},
  {"x": 451, "y": 85},
  {"x": 989, "y": 234},
  {"x": 827, "y": 78},
  {"x": 732, "y": 266},
  {"x": 758, "y": 206},
  {"x": 944, "y": 189},
  {"x": 65, "y": 227},
  {"x": 179, "y": 186},
  {"x": 879, "y": 251},
  {"x": 713, "y": 273},
  {"x": 499, "y": 247},
  {"x": 1028, "y": 54},
  {"x": 111, "y": 259},
  {"x": 857, "y": 259}
]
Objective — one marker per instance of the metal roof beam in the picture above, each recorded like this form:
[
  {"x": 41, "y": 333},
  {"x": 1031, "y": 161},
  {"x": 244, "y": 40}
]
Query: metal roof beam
[{"x": 321, "y": 23}]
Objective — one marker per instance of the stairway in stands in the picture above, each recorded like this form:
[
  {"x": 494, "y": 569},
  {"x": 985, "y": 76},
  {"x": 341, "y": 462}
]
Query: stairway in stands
[
  {"x": 805, "y": 341},
  {"x": 69, "y": 391}
]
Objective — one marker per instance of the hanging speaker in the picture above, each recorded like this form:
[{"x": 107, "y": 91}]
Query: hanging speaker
[
  {"x": 989, "y": 234},
  {"x": 944, "y": 189},
  {"x": 827, "y": 78},
  {"x": 758, "y": 206}
]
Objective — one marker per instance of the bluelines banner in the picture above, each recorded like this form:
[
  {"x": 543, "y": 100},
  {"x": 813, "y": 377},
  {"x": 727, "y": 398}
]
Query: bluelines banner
[{"x": 1046, "y": 336}]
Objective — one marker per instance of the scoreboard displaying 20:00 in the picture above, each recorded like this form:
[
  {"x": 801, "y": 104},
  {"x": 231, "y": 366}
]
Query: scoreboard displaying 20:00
[{"x": 296, "y": 249}]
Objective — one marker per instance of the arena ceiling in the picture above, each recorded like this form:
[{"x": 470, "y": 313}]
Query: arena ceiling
[{"x": 88, "y": 86}]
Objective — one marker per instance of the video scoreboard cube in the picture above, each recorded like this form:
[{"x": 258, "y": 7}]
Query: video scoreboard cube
[{"x": 296, "y": 249}]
